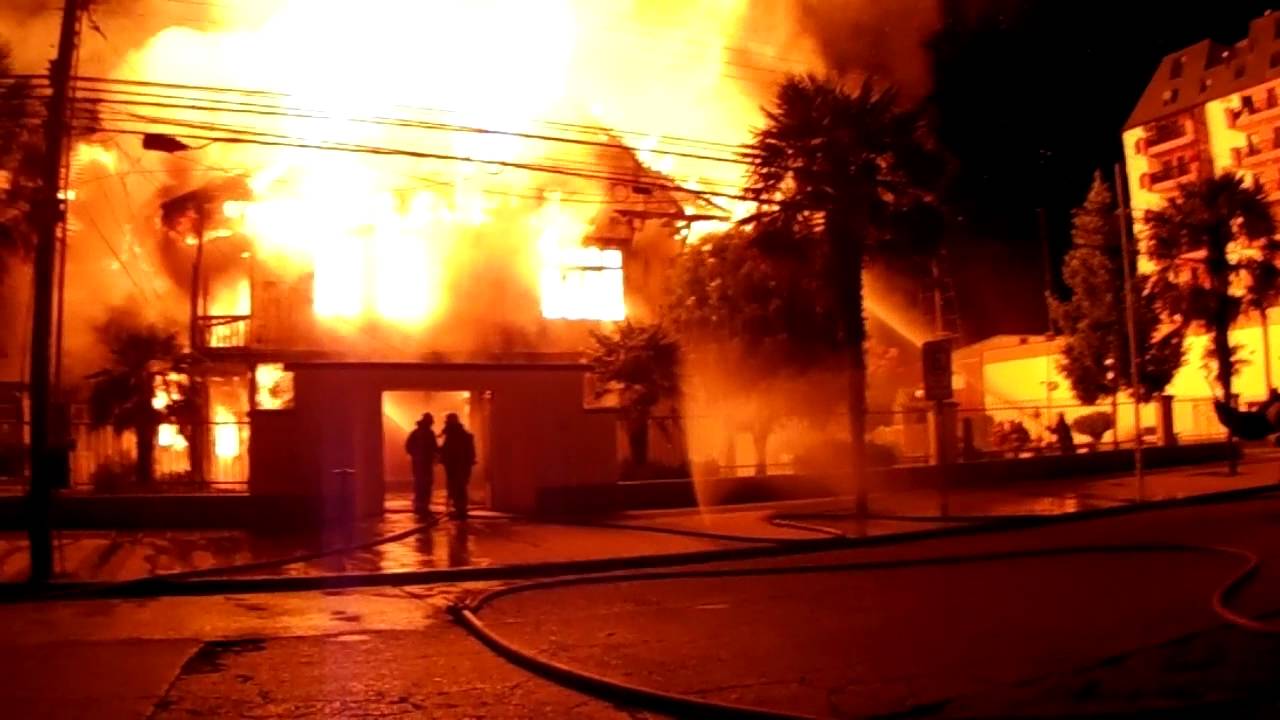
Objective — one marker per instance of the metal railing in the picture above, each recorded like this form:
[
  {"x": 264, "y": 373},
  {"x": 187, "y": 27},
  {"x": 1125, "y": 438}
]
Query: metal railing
[
  {"x": 1166, "y": 131},
  {"x": 224, "y": 331},
  {"x": 1250, "y": 111},
  {"x": 712, "y": 445},
  {"x": 1169, "y": 173},
  {"x": 105, "y": 462}
]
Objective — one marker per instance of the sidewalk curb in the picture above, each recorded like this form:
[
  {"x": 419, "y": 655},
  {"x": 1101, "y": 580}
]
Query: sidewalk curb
[{"x": 160, "y": 585}]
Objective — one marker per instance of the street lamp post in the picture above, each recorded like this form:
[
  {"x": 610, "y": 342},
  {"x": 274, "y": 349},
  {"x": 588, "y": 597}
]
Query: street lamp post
[{"x": 1122, "y": 215}]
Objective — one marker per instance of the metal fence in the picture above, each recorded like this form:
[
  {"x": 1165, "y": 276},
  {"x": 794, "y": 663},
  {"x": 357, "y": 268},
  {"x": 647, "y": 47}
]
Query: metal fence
[
  {"x": 1192, "y": 420},
  {"x": 104, "y": 461},
  {"x": 905, "y": 436}
]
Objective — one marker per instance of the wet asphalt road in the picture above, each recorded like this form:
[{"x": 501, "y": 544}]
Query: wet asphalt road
[{"x": 1072, "y": 634}]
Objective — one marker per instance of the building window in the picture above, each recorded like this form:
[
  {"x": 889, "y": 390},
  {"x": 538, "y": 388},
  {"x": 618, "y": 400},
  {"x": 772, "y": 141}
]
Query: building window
[
  {"x": 1175, "y": 72},
  {"x": 1275, "y": 59},
  {"x": 1205, "y": 84},
  {"x": 1171, "y": 96},
  {"x": 1239, "y": 71},
  {"x": 1276, "y": 28},
  {"x": 583, "y": 284}
]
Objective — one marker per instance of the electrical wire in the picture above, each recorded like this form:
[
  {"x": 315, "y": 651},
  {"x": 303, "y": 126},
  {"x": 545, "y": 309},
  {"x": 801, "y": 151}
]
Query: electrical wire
[
  {"x": 205, "y": 91},
  {"x": 594, "y": 171},
  {"x": 161, "y": 102},
  {"x": 266, "y": 139}
]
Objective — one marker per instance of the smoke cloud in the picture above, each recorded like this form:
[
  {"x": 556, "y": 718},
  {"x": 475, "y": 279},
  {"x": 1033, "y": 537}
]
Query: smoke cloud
[{"x": 886, "y": 39}]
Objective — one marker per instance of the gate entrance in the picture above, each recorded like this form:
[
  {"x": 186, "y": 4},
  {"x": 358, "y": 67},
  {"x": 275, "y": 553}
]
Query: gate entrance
[{"x": 401, "y": 410}]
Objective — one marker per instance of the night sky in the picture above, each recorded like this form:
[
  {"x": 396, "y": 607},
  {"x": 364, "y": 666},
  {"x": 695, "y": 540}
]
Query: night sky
[{"x": 1030, "y": 98}]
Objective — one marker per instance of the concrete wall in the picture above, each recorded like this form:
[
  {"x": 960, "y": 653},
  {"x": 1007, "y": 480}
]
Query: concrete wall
[
  {"x": 1022, "y": 381},
  {"x": 542, "y": 442}
]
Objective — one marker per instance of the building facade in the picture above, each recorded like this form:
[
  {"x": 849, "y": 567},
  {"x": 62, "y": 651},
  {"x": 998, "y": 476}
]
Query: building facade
[{"x": 1210, "y": 108}]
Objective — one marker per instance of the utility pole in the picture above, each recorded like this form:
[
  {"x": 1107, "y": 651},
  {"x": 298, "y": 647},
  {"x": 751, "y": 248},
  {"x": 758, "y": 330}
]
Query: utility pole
[
  {"x": 199, "y": 434},
  {"x": 50, "y": 216},
  {"x": 1122, "y": 215}
]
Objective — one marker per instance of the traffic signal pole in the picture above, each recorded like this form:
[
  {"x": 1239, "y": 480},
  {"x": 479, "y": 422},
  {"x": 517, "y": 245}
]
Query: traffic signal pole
[{"x": 51, "y": 213}]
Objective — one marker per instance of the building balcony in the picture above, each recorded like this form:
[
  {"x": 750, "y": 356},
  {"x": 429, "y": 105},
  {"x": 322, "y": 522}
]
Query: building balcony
[
  {"x": 1168, "y": 178},
  {"x": 1251, "y": 116},
  {"x": 224, "y": 331},
  {"x": 1165, "y": 136},
  {"x": 1258, "y": 153}
]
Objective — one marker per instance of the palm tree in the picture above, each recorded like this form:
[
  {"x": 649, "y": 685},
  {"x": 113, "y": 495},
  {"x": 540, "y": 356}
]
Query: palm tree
[
  {"x": 121, "y": 393},
  {"x": 22, "y": 157},
  {"x": 848, "y": 169},
  {"x": 1214, "y": 249},
  {"x": 640, "y": 363}
]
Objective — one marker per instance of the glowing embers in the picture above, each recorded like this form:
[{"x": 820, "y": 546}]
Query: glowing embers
[{"x": 274, "y": 387}]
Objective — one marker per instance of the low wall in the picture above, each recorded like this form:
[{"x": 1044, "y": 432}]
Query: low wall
[{"x": 657, "y": 494}]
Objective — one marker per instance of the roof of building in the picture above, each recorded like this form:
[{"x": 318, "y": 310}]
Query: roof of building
[
  {"x": 1210, "y": 70},
  {"x": 1000, "y": 342}
]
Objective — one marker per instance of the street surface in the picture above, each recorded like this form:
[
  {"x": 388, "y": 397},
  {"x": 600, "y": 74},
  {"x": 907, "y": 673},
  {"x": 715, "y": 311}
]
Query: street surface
[{"x": 1026, "y": 637}]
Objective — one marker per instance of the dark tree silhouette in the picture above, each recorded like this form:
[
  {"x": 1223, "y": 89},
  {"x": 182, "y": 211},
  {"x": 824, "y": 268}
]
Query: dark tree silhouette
[
  {"x": 640, "y": 364},
  {"x": 847, "y": 169},
  {"x": 21, "y": 154},
  {"x": 749, "y": 304},
  {"x": 121, "y": 393},
  {"x": 1214, "y": 249}
]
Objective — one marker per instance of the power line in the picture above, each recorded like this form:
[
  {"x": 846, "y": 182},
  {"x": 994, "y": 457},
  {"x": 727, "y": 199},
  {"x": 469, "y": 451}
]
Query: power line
[
  {"x": 259, "y": 94},
  {"x": 400, "y": 123},
  {"x": 275, "y": 140},
  {"x": 119, "y": 259}
]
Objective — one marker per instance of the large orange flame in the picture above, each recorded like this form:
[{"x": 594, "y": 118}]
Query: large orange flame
[{"x": 465, "y": 95}]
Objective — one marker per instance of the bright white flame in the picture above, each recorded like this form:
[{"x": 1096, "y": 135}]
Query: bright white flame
[
  {"x": 169, "y": 436},
  {"x": 226, "y": 433}
]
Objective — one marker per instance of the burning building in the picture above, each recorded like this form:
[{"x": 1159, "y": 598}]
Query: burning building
[{"x": 353, "y": 214}]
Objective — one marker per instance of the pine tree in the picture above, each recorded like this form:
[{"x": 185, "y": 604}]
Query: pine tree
[{"x": 1095, "y": 353}]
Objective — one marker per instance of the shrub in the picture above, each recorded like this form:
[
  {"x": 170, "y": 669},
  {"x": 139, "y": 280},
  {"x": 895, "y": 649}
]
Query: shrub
[
  {"x": 880, "y": 455},
  {"x": 111, "y": 477},
  {"x": 1094, "y": 425},
  {"x": 654, "y": 471},
  {"x": 1010, "y": 435}
]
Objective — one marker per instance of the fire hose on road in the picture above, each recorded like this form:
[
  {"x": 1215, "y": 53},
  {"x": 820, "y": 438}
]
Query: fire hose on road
[{"x": 468, "y": 615}]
